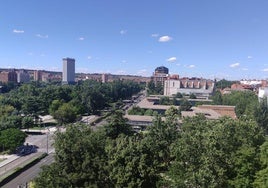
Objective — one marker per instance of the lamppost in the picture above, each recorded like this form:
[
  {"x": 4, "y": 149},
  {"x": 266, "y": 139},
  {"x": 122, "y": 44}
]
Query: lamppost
[{"x": 47, "y": 138}]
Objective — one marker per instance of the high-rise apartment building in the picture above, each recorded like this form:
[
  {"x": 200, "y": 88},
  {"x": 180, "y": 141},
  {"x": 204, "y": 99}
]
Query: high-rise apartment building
[
  {"x": 68, "y": 74},
  {"x": 160, "y": 75},
  {"x": 37, "y": 75},
  {"x": 23, "y": 76},
  {"x": 8, "y": 76}
]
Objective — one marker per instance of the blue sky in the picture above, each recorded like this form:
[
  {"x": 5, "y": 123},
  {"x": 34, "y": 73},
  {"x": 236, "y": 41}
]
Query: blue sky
[{"x": 195, "y": 38}]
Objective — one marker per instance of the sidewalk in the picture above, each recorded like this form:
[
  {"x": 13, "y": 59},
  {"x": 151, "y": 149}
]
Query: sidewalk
[
  {"x": 8, "y": 159},
  {"x": 13, "y": 163}
]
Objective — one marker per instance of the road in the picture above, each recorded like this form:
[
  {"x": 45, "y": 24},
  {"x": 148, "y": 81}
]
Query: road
[
  {"x": 8, "y": 168},
  {"x": 30, "y": 173},
  {"x": 43, "y": 142}
]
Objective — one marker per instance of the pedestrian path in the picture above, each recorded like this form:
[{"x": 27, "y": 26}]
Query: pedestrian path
[{"x": 8, "y": 159}]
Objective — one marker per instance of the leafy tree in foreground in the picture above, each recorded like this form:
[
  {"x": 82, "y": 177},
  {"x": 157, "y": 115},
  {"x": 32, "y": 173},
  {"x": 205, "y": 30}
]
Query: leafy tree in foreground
[
  {"x": 261, "y": 180},
  {"x": 131, "y": 163},
  {"x": 261, "y": 114},
  {"x": 219, "y": 153},
  {"x": 80, "y": 160},
  {"x": 117, "y": 125}
]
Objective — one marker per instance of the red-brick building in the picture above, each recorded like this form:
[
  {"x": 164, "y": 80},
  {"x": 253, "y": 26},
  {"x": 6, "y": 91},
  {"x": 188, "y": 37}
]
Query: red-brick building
[{"x": 8, "y": 76}]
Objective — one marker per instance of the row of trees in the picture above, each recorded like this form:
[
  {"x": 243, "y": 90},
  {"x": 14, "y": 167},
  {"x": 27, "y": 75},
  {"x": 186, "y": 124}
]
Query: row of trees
[
  {"x": 89, "y": 97},
  {"x": 21, "y": 107},
  {"x": 196, "y": 153},
  {"x": 247, "y": 105}
]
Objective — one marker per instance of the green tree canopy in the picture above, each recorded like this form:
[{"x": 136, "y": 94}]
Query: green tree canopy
[
  {"x": 80, "y": 160},
  {"x": 220, "y": 153},
  {"x": 117, "y": 125},
  {"x": 66, "y": 113},
  {"x": 185, "y": 105},
  {"x": 10, "y": 139}
]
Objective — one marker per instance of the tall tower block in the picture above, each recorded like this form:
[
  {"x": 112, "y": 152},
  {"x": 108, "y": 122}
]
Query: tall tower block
[{"x": 68, "y": 74}]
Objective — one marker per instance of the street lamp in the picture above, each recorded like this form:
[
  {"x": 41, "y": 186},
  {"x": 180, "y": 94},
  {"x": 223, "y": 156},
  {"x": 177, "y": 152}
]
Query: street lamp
[{"x": 47, "y": 138}]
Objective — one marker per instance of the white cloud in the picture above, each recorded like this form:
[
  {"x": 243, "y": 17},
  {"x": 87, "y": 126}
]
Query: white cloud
[
  {"x": 41, "y": 36},
  {"x": 178, "y": 64},
  {"x": 82, "y": 70},
  {"x": 191, "y": 66},
  {"x": 143, "y": 72},
  {"x": 250, "y": 57},
  {"x": 155, "y": 35},
  {"x": 165, "y": 39},
  {"x": 265, "y": 70},
  {"x": 81, "y": 38},
  {"x": 55, "y": 69},
  {"x": 244, "y": 69},
  {"x": 121, "y": 72},
  {"x": 89, "y": 57},
  {"x": 122, "y": 32},
  {"x": 124, "y": 61},
  {"x": 235, "y": 65},
  {"x": 172, "y": 59},
  {"x": 18, "y": 31}
]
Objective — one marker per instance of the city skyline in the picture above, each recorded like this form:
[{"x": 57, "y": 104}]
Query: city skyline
[{"x": 209, "y": 39}]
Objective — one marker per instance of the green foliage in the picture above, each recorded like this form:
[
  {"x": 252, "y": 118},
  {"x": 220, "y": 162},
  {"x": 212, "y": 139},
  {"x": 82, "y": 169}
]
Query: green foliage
[
  {"x": 10, "y": 139},
  {"x": 6, "y": 87},
  {"x": 164, "y": 101},
  {"x": 160, "y": 137},
  {"x": 55, "y": 106},
  {"x": 80, "y": 160},
  {"x": 192, "y": 96},
  {"x": 12, "y": 121},
  {"x": 27, "y": 122},
  {"x": 172, "y": 113},
  {"x": 155, "y": 89},
  {"x": 66, "y": 113},
  {"x": 178, "y": 95},
  {"x": 261, "y": 114},
  {"x": 149, "y": 112},
  {"x": 136, "y": 110},
  {"x": 217, "y": 98},
  {"x": 6, "y": 110},
  {"x": 131, "y": 163},
  {"x": 88, "y": 97},
  {"x": 185, "y": 105},
  {"x": 224, "y": 84},
  {"x": 117, "y": 125},
  {"x": 220, "y": 153},
  {"x": 261, "y": 180},
  {"x": 244, "y": 101},
  {"x": 197, "y": 153}
]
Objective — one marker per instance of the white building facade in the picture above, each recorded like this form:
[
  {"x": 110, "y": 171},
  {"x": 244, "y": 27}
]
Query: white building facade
[{"x": 199, "y": 87}]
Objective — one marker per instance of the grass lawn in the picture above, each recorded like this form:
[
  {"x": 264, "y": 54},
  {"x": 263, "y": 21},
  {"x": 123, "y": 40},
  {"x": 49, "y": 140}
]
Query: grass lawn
[{"x": 2, "y": 159}]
